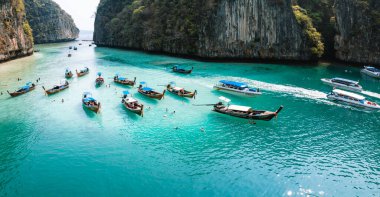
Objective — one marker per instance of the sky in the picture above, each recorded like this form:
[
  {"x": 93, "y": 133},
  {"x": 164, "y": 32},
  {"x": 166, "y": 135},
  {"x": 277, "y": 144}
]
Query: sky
[{"x": 82, "y": 11}]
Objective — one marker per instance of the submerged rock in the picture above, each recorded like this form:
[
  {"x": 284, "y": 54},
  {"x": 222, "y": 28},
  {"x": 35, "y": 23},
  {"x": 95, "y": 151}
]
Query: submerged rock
[
  {"x": 16, "y": 39},
  {"x": 49, "y": 22}
]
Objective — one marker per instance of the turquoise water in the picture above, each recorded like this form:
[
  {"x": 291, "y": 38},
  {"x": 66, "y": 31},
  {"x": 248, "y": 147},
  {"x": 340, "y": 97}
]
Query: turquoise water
[{"x": 50, "y": 148}]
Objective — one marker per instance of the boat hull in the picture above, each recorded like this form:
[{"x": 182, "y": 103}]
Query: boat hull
[
  {"x": 371, "y": 74},
  {"x": 182, "y": 71},
  {"x": 353, "y": 103},
  {"x": 54, "y": 91},
  {"x": 255, "y": 115},
  {"x": 237, "y": 92},
  {"x": 95, "y": 109},
  {"x": 15, "y": 94},
  {"x": 340, "y": 86},
  {"x": 127, "y": 83},
  {"x": 186, "y": 95},
  {"x": 139, "y": 110},
  {"x": 155, "y": 95}
]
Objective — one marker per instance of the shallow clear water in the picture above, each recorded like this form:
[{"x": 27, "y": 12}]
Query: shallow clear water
[{"x": 314, "y": 147}]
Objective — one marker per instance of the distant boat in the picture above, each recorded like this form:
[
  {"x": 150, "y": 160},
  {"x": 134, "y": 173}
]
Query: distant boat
[
  {"x": 83, "y": 72},
  {"x": 80, "y": 43},
  {"x": 150, "y": 92},
  {"x": 180, "y": 91},
  {"x": 132, "y": 104},
  {"x": 343, "y": 84},
  {"x": 123, "y": 80},
  {"x": 70, "y": 47},
  {"x": 57, "y": 88},
  {"x": 68, "y": 74},
  {"x": 182, "y": 70},
  {"x": 90, "y": 103},
  {"x": 99, "y": 80},
  {"x": 236, "y": 88},
  {"x": 75, "y": 48},
  {"x": 69, "y": 55},
  {"x": 244, "y": 111},
  {"x": 352, "y": 99},
  {"x": 22, "y": 90},
  {"x": 371, "y": 71}
]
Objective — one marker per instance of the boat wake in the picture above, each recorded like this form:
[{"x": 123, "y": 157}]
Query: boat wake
[
  {"x": 295, "y": 91},
  {"x": 372, "y": 94}
]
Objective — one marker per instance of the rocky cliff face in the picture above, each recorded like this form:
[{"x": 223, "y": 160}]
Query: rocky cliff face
[
  {"x": 16, "y": 39},
  {"x": 247, "y": 29},
  {"x": 358, "y": 26},
  {"x": 49, "y": 22}
]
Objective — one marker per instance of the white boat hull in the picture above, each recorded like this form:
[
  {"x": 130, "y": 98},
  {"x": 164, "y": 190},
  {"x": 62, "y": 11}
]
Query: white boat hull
[
  {"x": 353, "y": 103},
  {"x": 371, "y": 74},
  {"x": 237, "y": 92},
  {"x": 341, "y": 86}
]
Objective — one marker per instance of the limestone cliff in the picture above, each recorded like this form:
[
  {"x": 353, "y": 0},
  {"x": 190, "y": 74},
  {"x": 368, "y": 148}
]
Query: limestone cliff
[
  {"x": 244, "y": 29},
  {"x": 16, "y": 39},
  {"x": 358, "y": 27},
  {"x": 49, "y": 22}
]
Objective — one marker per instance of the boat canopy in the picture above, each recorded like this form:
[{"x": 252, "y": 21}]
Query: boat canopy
[
  {"x": 147, "y": 89},
  {"x": 372, "y": 69},
  {"x": 89, "y": 99},
  {"x": 177, "y": 88},
  {"x": 29, "y": 83},
  {"x": 143, "y": 82},
  {"x": 122, "y": 78},
  {"x": 345, "y": 80},
  {"x": 25, "y": 87},
  {"x": 126, "y": 92},
  {"x": 131, "y": 100},
  {"x": 349, "y": 94},
  {"x": 222, "y": 98},
  {"x": 234, "y": 83},
  {"x": 99, "y": 74},
  {"x": 239, "y": 108}
]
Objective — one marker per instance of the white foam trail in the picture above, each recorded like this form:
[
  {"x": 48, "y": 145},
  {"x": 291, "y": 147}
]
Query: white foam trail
[
  {"x": 372, "y": 94},
  {"x": 295, "y": 91}
]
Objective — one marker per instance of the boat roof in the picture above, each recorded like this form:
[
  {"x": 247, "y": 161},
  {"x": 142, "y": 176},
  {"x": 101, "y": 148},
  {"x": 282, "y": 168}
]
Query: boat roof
[
  {"x": 234, "y": 83},
  {"x": 349, "y": 94},
  {"x": 126, "y": 92},
  {"x": 131, "y": 100},
  {"x": 147, "y": 89},
  {"x": 25, "y": 87},
  {"x": 177, "y": 88},
  {"x": 347, "y": 80},
  {"x": 89, "y": 99},
  {"x": 373, "y": 69},
  {"x": 222, "y": 98},
  {"x": 239, "y": 108},
  {"x": 122, "y": 78}
]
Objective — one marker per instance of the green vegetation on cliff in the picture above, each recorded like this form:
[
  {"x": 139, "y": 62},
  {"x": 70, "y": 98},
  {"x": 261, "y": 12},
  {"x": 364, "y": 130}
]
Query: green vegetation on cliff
[{"x": 315, "y": 38}]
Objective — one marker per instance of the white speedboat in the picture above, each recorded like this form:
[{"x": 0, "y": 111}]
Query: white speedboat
[
  {"x": 352, "y": 99},
  {"x": 236, "y": 88},
  {"x": 343, "y": 84},
  {"x": 371, "y": 71}
]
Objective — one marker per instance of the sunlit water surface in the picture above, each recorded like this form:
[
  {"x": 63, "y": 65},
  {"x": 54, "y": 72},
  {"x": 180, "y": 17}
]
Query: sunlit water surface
[{"x": 50, "y": 148}]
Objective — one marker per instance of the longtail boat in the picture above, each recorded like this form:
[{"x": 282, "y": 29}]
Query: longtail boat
[
  {"x": 68, "y": 73},
  {"x": 124, "y": 81},
  {"x": 132, "y": 104},
  {"x": 57, "y": 88},
  {"x": 90, "y": 103},
  {"x": 100, "y": 80},
  {"x": 83, "y": 72},
  {"x": 75, "y": 48},
  {"x": 179, "y": 69},
  {"x": 180, "y": 91},
  {"x": 150, "y": 92},
  {"x": 22, "y": 90},
  {"x": 244, "y": 111}
]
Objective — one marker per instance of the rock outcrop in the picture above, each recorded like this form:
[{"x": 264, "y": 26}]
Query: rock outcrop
[
  {"x": 16, "y": 39},
  {"x": 358, "y": 31},
  {"x": 244, "y": 29},
  {"x": 49, "y": 22}
]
